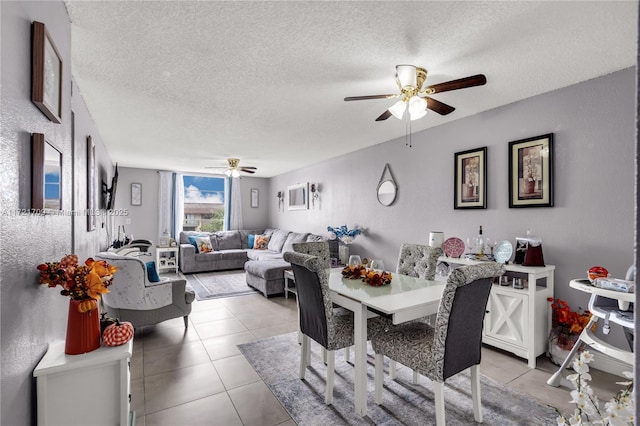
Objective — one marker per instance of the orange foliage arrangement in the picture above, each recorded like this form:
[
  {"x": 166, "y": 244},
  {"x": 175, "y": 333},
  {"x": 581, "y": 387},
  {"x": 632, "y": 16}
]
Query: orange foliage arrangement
[
  {"x": 369, "y": 276},
  {"x": 567, "y": 324},
  {"x": 80, "y": 282},
  {"x": 353, "y": 272}
]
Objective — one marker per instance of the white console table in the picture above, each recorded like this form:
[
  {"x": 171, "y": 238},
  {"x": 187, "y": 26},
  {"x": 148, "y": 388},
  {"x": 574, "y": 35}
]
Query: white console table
[
  {"x": 167, "y": 258},
  {"x": 518, "y": 320},
  {"x": 92, "y": 388}
]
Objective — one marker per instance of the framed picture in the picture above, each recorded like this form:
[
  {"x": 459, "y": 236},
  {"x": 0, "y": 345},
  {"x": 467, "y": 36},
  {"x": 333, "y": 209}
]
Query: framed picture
[
  {"x": 298, "y": 196},
  {"x": 470, "y": 188},
  {"x": 46, "y": 78},
  {"x": 531, "y": 172},
  {"x": 136, "y": 194},
  {"x": 91, "y": 184},
  {"x": 254, "y": 197},
  {"x": 46, "y": 174}
]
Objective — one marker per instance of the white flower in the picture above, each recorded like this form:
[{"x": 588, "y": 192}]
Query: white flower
[
  {"x": 579, "y": 366},
  {"x": 586, "y": 357}
]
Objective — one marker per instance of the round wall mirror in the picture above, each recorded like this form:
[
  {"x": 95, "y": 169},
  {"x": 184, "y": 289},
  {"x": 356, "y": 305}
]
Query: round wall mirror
[{"x": 387, "y": 192}]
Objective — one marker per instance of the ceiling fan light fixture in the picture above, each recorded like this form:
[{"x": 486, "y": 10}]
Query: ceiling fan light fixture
[
  {"x": 398, "y": 109},
  {"x": 417, "y": 107},
  {"x": 406, "y": 75},
  {"x": 227, "y": 172},
  {"x": 235, "y": 173}
]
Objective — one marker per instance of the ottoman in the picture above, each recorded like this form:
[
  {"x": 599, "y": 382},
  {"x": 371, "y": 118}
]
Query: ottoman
[{"x": 266, "y": 276}]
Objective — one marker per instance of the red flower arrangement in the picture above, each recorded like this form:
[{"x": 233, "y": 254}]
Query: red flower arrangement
[
  {"x": 80, "y": 282},
  {"x": 567, "y": 324}
]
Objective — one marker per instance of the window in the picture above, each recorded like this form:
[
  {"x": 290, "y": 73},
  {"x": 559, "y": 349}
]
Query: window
[{"x": 204, "y": 198}]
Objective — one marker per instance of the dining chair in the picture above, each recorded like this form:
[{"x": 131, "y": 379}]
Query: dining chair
[
  {"x": 449, "y": 347},
  {"x": 416, "y": 260},
  {"x": 318, "y": 318}
]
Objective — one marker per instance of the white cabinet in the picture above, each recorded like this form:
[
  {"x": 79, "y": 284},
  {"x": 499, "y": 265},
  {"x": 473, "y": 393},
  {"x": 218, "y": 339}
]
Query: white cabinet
[
  {"x": 92, "y": 388},
  {"x": 518, "y": 320},
  {"x": 167, "y": 259}
]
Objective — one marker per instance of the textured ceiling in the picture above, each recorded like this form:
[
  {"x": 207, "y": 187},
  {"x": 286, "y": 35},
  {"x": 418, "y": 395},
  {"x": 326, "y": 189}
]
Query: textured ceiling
[{"x": 182, "y": 85}]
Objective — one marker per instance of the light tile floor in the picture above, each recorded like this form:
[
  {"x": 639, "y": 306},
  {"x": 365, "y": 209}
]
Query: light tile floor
[{"x": 199, "y": 377}]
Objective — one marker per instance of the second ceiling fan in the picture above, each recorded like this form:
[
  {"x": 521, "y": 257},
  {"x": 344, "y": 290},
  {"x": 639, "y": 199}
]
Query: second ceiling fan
[{"x": 414, "y": 98}]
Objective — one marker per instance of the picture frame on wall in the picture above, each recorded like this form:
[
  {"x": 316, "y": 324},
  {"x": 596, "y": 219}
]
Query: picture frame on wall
[
  {"x": 91, "y": 184},
  {"x": 254, "y": 197},
  {"x": 531, "y": 172},
  {"x": 46, "y": 175},
  {"x": 46, "y": 78},
  {"x": 136, "y": 194},
  {"x": 470, "y": 179}
]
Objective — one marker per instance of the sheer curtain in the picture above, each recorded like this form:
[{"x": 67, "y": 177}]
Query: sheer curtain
[
  {"x": 165, "y": 203},
  {"x": 178, "y": 204},
  {"x": 233, "y": 208}
]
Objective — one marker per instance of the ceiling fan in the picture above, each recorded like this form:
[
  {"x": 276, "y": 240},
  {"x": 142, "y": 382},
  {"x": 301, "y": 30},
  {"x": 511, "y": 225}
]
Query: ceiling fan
[
  {"x": 414, "y": 96},
  {"x": 233, "y": 169}
]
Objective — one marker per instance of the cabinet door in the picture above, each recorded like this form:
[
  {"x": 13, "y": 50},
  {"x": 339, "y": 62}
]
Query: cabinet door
[{"x": 507, "y": 316}]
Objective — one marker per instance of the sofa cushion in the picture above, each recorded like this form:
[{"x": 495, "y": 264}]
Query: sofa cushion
[
  {"x": 251, "y": 239},
  {"x": 244, "y": 236},
  {"x": 216, "y": 256},
  {"x": 228, "y": 240},
  {"x": 261, "y": 242},
  {"x": 263, "y": 254},
  {"x": 152, "y": 273},
  {"x": 313, "y": 238},
  {"x": 184, "y": 235},
  {"x": 292, "y": 238},
  {"x": 277, "y": 239},
  {"x": 203, "y": 244},
  {"x": 269, "y": 270}
]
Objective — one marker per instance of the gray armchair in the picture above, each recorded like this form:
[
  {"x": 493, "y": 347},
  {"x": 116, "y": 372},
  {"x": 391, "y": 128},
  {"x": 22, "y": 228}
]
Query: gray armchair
[{"x": 132, "y": 297}]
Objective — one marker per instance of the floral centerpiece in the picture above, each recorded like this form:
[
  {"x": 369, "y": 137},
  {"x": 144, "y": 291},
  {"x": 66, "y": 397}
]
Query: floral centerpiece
[
  {"x": 372, "y": 277},
  {"x": 566, "y": 326},
  {"x": 344, "y": 234},
  {"x": 84, "y": 283},
  {"x": 619, "y": 411}
]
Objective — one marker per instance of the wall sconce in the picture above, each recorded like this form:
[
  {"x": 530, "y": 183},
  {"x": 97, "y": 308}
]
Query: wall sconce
[
  {"x": 315, "y": 193},
  {"x": 280, "y": 196}
]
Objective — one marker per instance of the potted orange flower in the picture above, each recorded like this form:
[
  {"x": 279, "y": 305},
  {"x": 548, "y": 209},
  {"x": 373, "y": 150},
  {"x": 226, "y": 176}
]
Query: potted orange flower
[
  {"x": 566, "y": 326},
  {"x": 84, "y": 284}
]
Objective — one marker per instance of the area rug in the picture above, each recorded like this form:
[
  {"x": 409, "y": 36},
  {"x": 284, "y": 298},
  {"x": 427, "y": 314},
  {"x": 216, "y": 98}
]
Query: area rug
[
  {"x": 212, "y": 285},
  {"x": 276, "y": 360}
]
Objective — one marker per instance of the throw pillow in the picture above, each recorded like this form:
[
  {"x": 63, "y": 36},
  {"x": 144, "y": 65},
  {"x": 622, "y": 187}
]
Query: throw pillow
[
  {"x": 204, "y": 244},
  {"x": 192, "y": 241},
  {"x": 261, "y": 242},
  {"x": 251, "y": 240},
  {"x": 152, "y": 273}
]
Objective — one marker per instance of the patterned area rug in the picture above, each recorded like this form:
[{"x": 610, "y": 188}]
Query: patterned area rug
[
  {"x": 212, "y": 285},
  {"x": 276, "y": 360}
]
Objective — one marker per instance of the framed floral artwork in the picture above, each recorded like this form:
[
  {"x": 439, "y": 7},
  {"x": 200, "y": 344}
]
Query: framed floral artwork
[
  {"x": 470, "y": 187},
  {"x": 46, "y": 81},
  {"x": 531, "y": 172}
]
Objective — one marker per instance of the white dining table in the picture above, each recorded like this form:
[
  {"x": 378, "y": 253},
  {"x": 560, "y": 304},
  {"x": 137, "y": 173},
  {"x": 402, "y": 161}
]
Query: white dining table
[{"x": 404, "y": 299}]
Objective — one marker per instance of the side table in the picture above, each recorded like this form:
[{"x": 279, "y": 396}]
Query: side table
[
  {"x": 167, "y": 258},
  {"x": 289, "y": 283},
  {"x": 99, "y": 382}
]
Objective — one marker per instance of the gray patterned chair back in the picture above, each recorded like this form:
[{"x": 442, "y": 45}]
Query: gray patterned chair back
[
  {"x": 317, "y": 248},
  {"x": 418, "y": 260},
  {"x": 314, "y": 301},
  {"x": 458, "y": 329}
]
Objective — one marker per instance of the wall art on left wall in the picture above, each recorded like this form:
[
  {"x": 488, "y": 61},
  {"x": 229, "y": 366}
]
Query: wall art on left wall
[
  {"x": 46, "y": 73},
  {"x": 91, "y": 184}
]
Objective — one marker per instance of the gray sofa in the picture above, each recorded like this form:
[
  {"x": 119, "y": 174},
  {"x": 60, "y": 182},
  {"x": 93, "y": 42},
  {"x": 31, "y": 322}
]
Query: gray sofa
[{"x": 264, "y": 268}]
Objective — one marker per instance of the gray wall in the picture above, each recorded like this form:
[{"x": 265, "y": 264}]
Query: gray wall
[
  {"x": 593, "y": 219},
  {"x": 32, "y": 316}
]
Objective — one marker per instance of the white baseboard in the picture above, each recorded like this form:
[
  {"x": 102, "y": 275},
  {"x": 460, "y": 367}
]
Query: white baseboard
[{"x": 608, "y": 364}]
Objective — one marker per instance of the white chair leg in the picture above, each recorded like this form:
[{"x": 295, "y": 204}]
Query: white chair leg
[
  {"x": 475, "y": 393},
  {"x": 392, "y": 369},
  {"x": 331, "y": 367},
  {"x": 438, "y": 390},
  {"x": 416, "y": 378},
  {"x": 304, "y": 352},
  {"x": 324, "y": 356},
  {"x": 347, "y": 354},
  {"x": 379, "y": 377}
]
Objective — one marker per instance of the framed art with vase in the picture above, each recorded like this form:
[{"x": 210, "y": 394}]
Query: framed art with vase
[
  {"x": 531, "y": 172},
  {"x": 470, "y": 177}
]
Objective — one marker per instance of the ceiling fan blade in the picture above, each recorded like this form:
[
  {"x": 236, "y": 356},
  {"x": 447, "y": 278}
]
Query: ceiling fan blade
[
  {"x": 247, "y": 169},
  {"x": 384, "y": 116},
  {"x": 439, "y": 107},
  {"x": 215, "y": 167},
  {"x": 364, "y": 98},
  {"x": 461, "y": 83}
]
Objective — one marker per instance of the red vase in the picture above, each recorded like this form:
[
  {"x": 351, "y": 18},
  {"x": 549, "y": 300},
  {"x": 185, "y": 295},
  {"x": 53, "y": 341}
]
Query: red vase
[{"x": 83, "y": 330}]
